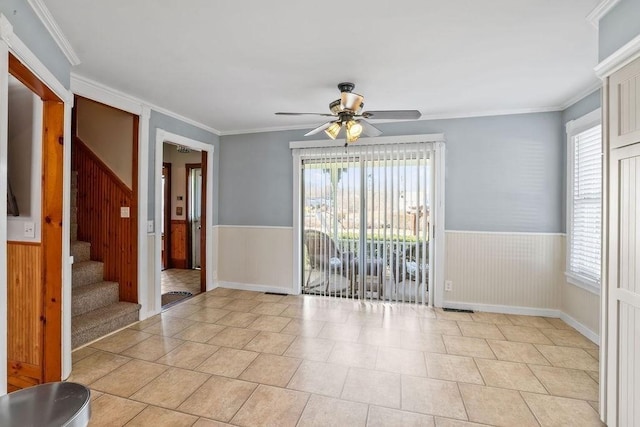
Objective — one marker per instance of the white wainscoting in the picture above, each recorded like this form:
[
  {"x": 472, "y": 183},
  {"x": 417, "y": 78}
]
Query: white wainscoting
[
  {"x": 509, "y": 269},
  {"x": 255, "y": 258},
  {"x": 517, "y": 273}
]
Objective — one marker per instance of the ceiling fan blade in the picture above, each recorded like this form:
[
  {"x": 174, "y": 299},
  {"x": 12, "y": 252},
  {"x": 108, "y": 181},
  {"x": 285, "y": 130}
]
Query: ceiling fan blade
[
  {"x": 318, "y": 129},
  {"x": 369, "y": 129},
  {"x": 392, "y": 115},
  {"x": 305, "y": 114}
]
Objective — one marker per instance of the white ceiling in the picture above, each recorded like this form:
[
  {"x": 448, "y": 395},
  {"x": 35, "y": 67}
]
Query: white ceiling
[{"x": 231, "y": 64}]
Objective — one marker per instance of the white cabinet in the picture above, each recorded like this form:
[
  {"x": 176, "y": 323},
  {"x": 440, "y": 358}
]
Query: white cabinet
[
  {"x": 624, "y": 106},
  {"x": 623, "y": 289}
]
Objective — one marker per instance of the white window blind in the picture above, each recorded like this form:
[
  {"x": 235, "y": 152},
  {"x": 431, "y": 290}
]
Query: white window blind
[{"x": 585, "y": 213}]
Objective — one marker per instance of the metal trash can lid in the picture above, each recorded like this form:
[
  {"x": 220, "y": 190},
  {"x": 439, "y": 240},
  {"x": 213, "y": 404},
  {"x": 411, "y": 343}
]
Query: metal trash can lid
[{"x": 51, "y": 404}]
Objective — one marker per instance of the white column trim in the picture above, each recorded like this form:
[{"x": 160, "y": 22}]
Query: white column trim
[
  {"x": 143, "y": 200},
  {"x": 66, "y": 243},
  {"x": 4, "y": 116},
  {"x": 163, "y": 136}
]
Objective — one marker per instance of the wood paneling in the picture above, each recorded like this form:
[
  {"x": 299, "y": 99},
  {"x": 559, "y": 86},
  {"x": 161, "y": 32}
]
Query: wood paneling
[
  {"x": 24, "y": 302},
  {"x": 52, "y": 171},
  {"x": 178, "y": 243},
  {"x": 101, "y": 194}
]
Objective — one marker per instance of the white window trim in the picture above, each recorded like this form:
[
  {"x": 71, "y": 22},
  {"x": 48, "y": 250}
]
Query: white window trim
[{"x": 573, "y": 128}]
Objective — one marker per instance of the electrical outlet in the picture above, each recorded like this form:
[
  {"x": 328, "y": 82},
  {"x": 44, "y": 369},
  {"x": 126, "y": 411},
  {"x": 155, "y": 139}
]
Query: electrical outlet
[
  {"x": 29, "y": 229},
  {"x": 448, "y": 286},
  {"x": 125, "y": 212}
]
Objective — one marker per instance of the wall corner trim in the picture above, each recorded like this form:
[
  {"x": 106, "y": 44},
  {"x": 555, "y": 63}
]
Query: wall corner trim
[
  {"x": 600, "y": 11},
  {"x": 618, "y": 59},
  {"x": 52, "y": 26}
]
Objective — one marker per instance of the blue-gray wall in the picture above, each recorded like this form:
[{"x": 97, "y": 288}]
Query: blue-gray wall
[
  {"x": 30, "y": 30},
  {"x": 503, "y": 173},
  {"x": 173, "y": 125},
  {"x": 618, "y": 27}
]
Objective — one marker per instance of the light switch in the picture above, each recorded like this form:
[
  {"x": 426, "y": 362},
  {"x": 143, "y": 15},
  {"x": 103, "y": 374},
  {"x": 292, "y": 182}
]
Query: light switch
[
  {"x": 124, "y": 212},
  {"x": 29, "y": 229},
  {"x": 150, "y": 226}
]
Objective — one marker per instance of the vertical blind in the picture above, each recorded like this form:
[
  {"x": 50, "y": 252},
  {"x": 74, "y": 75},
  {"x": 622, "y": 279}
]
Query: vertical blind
[
  {"x": 584, "y": 248},
  {"x": 366, "y": 221}
]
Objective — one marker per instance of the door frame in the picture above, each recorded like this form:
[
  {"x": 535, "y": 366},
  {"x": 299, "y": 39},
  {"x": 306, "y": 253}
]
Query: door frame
[
  {"x": 437, "y": 250},
  {"x": 207, "y": 150},
  {"x": 167, "y": 218},
  {"x": 188, "y": 241},
  {"x": 58, "y": 353}
]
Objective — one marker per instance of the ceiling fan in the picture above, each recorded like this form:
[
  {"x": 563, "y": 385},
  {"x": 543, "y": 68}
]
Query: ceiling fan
[{"x": 348, "y": 114}]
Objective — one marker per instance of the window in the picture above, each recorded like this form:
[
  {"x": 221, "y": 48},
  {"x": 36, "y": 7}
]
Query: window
[{"x": 584, "y": 205}]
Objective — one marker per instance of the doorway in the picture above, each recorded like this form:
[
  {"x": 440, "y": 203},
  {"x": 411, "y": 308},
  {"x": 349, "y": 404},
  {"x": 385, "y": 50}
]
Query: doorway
[
  {"x": 368, "y": 219},
  {"x": 183, "y": 214},
  {"x": 34, "y": 247}
]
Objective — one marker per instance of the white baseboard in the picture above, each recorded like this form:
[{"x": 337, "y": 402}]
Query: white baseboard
[
  {"x": 593, "y": 336},
  {"x": 505, "y": 309},
  {"x": 527, "y": 311},
  {"x": 252, "y": 287}
]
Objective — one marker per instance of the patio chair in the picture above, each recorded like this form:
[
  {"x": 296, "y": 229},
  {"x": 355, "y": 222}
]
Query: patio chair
[
  {"x": 408, "y": 264},
  {"x": 324, "y": 254}
]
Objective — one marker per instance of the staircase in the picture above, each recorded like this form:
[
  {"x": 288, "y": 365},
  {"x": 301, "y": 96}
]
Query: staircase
[{"x": 96, "y": 308}]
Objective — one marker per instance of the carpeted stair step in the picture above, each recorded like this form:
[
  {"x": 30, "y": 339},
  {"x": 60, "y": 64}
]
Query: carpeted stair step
[
  {"x": 86, "y": 272},
  {"x": 97, "y": 323},
  {"x": 81, "y": 251},
  {"x": 74, "y": 197},
  {"x": 94, "y": 296}
]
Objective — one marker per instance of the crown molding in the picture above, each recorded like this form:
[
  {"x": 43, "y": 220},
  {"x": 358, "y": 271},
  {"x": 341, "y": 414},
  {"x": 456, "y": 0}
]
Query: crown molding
[
  {"x": 444, "y": 116},
  {"x": 600, "y": 11},
  {"x": 618, "y": 59},
  {"x": 582, "y": 94},
  {"x": 184, "y": 119},
  {"x": 31, "y": 61},
  {"x": 52, "y": 26},
  {"x": 96, "y": 91}
]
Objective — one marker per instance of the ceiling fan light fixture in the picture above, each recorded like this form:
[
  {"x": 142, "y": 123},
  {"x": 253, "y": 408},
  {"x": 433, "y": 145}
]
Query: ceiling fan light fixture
[
  {"x": 354, "y": 130},
  {"x": 334, "y": 107},
  {"x": 333, "y": 130},
  {"x": 351, "y": 101}
]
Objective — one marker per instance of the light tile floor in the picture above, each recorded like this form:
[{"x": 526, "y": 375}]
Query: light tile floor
[
  {"x": 251, "y": 359},
  {"x": 175, "y": 279}
]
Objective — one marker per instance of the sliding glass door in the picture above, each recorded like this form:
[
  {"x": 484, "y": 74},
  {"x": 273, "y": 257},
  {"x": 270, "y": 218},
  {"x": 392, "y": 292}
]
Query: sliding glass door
[{"x": 366, "y": 222}]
